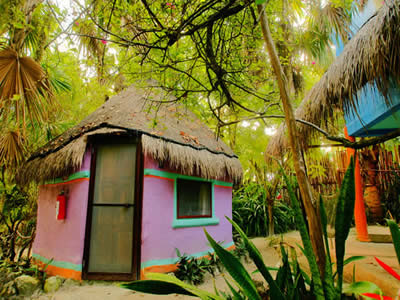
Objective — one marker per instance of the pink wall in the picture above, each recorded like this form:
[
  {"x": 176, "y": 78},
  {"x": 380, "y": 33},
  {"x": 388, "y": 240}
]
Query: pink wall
[
  {"x": 63, "y": 240},
  {"x": 159, "y": 239}
]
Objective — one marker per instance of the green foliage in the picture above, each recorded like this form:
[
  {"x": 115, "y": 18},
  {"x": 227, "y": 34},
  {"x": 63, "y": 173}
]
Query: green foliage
[
  {"x": 257, "y": 258},
  {"x": 16, "y": 222},
  {"x": 191, "y": 269},
  {"x": 308, "y": 251},
  {"x": 391, "y": 197},
  {"x": 250, "y": 211},
  {"x": 235, "y": 269},
  {"x": 156, "y": 287},
  {"x": 240, "y": 250},
  {"x": 361, "y": 287},
  {"x": 172, "y": 285},
  {"x": 291, "y": 281},
  {"x": 344, "y": 217},
  {"x": 395, "y": 232}
]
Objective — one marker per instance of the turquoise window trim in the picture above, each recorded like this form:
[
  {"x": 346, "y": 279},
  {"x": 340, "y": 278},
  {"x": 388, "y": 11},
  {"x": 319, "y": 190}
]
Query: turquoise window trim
[
  {"x": 77, "y": 175},
  {"x": 190, "y": 222},
  {"x": 193, "y": 222}
]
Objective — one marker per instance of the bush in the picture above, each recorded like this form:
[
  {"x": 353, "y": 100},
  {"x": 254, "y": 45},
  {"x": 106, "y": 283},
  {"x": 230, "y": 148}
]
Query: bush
[
  {"x": 17, "y": 222},
  {"x": 250, "y": 211},
  {"x": 391, "y": 198}
]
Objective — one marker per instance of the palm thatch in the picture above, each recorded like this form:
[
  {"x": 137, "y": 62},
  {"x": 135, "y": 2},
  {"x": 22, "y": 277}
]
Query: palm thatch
[
  {"x": 371, "y": 56},
  {"x": 170, "y": 134}
]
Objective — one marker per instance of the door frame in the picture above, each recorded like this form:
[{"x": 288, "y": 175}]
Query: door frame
[{"x": 137, "y": 214}]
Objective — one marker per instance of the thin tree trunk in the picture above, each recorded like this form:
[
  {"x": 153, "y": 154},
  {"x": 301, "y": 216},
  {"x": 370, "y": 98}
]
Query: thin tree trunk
[
  {"x": 315, "y": 228},
  {"x": 270, "y": 218}
]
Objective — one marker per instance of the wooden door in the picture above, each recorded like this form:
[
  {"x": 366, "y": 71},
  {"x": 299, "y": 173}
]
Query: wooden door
[{"x": 109, "y": 251}]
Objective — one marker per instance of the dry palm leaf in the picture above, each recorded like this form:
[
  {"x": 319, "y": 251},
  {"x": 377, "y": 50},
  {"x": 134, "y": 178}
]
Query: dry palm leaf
[
  {"x": 12, "y": 149},
  {"x": 24, "y": 87}
]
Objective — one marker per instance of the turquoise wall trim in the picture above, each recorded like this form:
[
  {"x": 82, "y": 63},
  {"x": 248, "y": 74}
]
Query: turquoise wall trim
[
  {"x": 170, "y": 261},
  {"x": 77, "y": 175},
  {"x": 223, "y": 183},
  {"x": 190, "y": 222},
  {"x": 175, "y": 176},
  {"x": 59, "y": 264}
]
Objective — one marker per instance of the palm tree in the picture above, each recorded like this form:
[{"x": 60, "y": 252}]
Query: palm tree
[{"x": 26, "y": 94}]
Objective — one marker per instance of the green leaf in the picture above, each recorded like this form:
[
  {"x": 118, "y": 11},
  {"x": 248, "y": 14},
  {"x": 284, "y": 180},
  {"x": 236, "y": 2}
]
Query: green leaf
[
  {"x": 344, "y": 217},
  {"x": 236, "y": 295},
  {"x": 308, "y": 251},
  {"x": 235, "y": 269},
  {"x": 156, "y": 287},
  {"x": 175, "y": 281},
  {"x": 362, "y": 287},
  {"x": 329, "y": 286},
  {"x": 255, "y": 255},
  {"x": 395, "y": 232},
  {"x": 259, "y": 2},
  {"x": 352, "y": 259}
]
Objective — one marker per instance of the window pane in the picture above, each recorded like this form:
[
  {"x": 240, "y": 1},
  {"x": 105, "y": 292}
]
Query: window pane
[
  {"x": 194, "y": 198},
  {"x": 111, "y": 239},
  {"x": 115, "y": 174}
]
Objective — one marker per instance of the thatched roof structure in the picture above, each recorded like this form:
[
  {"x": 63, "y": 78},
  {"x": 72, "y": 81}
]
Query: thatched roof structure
[
  {"x": 169, "y": 133},
  {"x": 371, "y": 56}
]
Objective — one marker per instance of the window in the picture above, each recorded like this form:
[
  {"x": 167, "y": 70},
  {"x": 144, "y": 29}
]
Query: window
[
  {"x": 193, "y": 202},
  {"x": 194, "y": 199}
]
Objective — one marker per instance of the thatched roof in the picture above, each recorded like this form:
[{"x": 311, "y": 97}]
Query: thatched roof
[
  {"x": 371, "y": 56},
  {"x": 170, "y": 133}
]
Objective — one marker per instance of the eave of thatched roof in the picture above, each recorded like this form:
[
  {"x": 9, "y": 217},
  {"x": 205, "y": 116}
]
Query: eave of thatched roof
[
  {"x": 169, "y": 133},
  {"x": 371, "y": 56}
]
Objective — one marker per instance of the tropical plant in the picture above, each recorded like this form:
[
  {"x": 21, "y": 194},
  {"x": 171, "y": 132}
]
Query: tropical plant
[
  {"x": 17, "y": 225},
  {"x": 391, "y": 197},
  {"x": 395, "y": 232},
  {"x": 191, "y": 269},
  {"x": 250, "y": 211},
  {"x": 379, "y": 295},
  {"x": 290, "y": 282}
]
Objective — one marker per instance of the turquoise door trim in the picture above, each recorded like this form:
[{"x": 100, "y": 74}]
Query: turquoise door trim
[{"x": 190, "y": 222}]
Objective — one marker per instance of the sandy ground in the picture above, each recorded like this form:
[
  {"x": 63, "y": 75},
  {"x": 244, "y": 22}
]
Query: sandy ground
[
  {"x": 366, "y": 269},
  {"x": 108, "y": 291}
]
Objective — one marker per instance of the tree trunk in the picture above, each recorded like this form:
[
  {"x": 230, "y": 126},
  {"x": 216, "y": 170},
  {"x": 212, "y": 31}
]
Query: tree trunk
[
  {"x": 371, "y": 191},
  {"x": 271, "y": 228},
  {"x": 19, "y": 34},
  {"x": 315, "y": 228}
]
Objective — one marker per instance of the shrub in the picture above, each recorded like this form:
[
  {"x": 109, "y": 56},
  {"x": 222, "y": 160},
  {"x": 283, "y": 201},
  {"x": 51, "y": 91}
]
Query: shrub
[{"x": 250, "y": 211}]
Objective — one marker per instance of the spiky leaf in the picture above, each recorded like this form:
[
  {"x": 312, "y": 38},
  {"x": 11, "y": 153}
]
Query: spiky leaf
[
  {"x": 235, "y": 269},
  {"x": 344, "y": 217}
]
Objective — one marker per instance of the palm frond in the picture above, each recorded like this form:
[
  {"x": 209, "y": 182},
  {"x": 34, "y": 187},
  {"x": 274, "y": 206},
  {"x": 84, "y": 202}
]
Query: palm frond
[
  {"x": 24, "y": 87},
  {"x": 338, "y": 19},
  {"x": 12, "y": 148}
]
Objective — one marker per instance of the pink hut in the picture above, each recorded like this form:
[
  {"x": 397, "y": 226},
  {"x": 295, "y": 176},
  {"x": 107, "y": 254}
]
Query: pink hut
[{"x": 133, "y": 182}]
